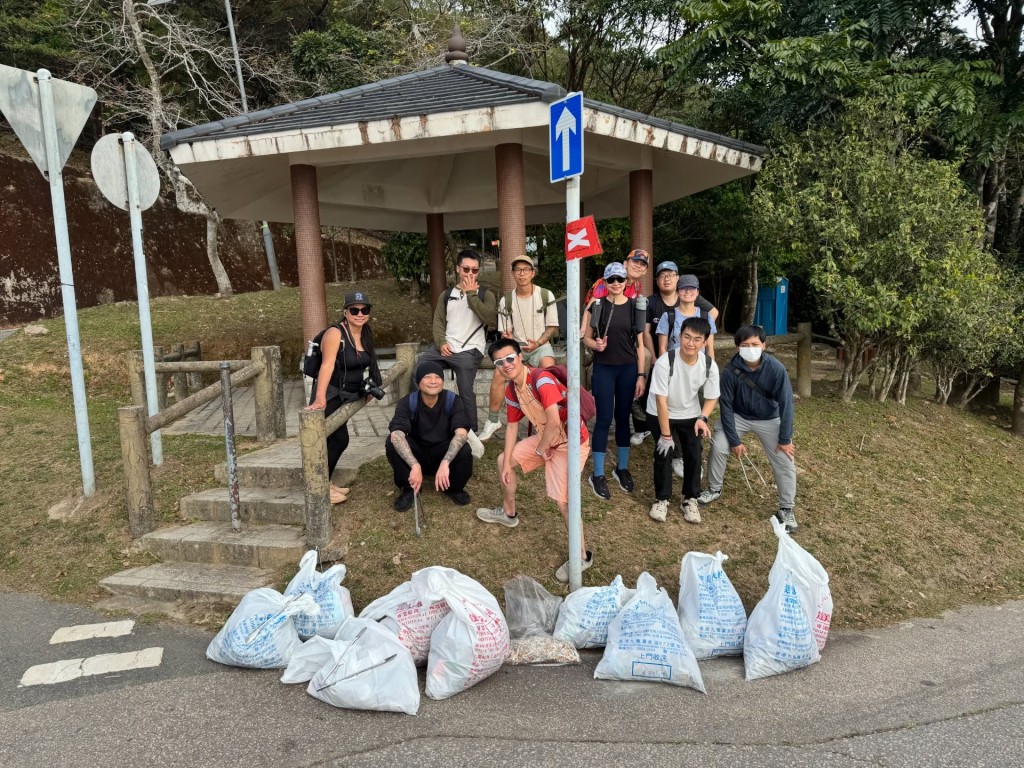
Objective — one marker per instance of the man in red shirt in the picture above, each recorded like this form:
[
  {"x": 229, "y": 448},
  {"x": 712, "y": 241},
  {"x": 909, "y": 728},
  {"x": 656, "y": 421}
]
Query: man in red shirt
[{"x": 540, "y": 397}]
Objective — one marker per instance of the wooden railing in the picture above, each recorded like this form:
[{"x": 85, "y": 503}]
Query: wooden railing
[
  {"x": 184, "y": 382},
  {"x": 264, "y": 369}
]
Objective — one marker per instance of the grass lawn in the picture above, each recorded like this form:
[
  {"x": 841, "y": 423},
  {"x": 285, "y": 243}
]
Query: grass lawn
[{"x": 912, "y": 510}]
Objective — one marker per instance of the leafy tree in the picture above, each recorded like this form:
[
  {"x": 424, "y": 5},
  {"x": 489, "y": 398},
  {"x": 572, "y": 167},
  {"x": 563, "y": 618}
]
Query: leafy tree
[{"x": 406, "y": 257}]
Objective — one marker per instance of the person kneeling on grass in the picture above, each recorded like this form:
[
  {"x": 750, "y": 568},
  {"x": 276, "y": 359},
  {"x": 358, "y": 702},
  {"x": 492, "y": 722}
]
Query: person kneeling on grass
[
  {"x": 543, "y": 400},
  {"x": 674, "y": 412},
  {"x": 756, "y": 397},
  {"x": 428, "y": 436}
]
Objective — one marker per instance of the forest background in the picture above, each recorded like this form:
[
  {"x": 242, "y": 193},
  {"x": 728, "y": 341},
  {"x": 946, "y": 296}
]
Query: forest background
[{"x": 891, "y": 197}]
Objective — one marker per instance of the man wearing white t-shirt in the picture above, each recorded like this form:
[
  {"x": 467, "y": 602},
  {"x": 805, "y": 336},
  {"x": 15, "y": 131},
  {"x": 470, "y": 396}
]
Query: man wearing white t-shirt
[{"x": 674, "y": 410}]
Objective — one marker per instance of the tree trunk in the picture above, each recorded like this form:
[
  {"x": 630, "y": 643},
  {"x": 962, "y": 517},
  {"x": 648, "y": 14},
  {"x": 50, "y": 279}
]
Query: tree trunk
[
  {"x": 1018, "y": 405},
  {"x": 990, "y": 204},
  {"x": 212, "y": 253},
  {"x": 749, "y": 308}
]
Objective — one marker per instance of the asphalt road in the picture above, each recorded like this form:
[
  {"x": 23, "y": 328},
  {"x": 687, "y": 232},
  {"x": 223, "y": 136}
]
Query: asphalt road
[{"x": 944, "y": 692}]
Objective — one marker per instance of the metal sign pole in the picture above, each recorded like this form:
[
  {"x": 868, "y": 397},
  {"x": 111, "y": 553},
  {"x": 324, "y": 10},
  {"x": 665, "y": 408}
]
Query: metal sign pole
[
  {"x": 572, "y": 288},
  {"x": 131, "y": 171},
  {"x": 67, "y": 279}
]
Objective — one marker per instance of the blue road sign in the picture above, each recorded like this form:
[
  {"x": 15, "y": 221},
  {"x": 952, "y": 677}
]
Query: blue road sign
[{"x": 565, "y": 137}]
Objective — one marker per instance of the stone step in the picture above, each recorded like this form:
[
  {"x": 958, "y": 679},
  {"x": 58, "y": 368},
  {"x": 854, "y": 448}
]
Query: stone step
[
  {"x": 188, "y": 581},
  {"x": 280, "y": 465},
  {"x": 262, "y": 546},
  {"x": 256, "y": 505}
]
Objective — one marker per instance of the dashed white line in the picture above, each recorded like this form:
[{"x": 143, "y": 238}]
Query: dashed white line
[
  {"x": 90, "y": 631},
  {"x": 105, "y": 663}
]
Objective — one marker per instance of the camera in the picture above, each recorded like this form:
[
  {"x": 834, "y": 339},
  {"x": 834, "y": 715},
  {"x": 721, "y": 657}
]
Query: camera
[{"x": 369, "y": 388}]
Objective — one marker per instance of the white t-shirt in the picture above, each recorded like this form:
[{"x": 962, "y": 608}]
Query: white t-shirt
[
  {"x": 463, "y": 329},
  {"x": 528, "y": 320},
  {"x": 682, "y": 389}
]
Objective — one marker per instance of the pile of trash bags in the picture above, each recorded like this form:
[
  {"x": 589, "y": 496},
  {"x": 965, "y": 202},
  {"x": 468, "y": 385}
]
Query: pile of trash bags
[{"x": 449, "y": 623}]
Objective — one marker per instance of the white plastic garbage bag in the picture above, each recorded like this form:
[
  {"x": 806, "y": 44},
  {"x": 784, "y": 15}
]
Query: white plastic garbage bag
[
  {"x": 471, "y": 642},
  {"x": 779, "y": 634},
  {"x": 645, "y": 642},
  {"x": 791, "y": 556},
  {"x": 260, "y": 632},
  {"x": 585, "y": 614},
  {"x": 409, "y": 617},
  {"x": 307, "y": 660},
  {"x": 368, "y": 668},
  {"x": 334, "y": 600},
  {"x": 710, "y": 610}
]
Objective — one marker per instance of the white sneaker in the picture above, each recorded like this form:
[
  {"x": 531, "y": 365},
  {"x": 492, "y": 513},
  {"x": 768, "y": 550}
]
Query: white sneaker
[
  {"x": 638, "y": 438},
  {"x": 678, "y": 467},
  {"x": 659, "y": 511},
  {"x": 489, "y": 429},
  {"x": 691, "y": 513}
]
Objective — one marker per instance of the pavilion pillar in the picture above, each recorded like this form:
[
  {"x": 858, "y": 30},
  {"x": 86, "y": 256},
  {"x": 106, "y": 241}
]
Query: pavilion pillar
[
  {"x": 435, "y": 250},
  {"x": 309, "y": 250},
  {"x": 508, "y": 159},
  {"x": 641, "y": 219}
]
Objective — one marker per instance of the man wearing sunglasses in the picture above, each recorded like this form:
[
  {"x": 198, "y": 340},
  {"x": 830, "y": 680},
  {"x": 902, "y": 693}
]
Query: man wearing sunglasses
[
  {"x": 538, "y": 396},
  {"x": 461, "y": 318}
]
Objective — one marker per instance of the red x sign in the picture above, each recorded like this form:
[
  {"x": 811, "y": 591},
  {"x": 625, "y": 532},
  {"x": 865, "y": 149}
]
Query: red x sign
[{"x": 581, "y": 239}]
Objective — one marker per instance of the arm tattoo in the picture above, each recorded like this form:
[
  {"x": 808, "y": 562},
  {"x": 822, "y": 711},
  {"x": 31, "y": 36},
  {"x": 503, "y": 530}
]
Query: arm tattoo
[
  {"x": 455, "y": 446},
  {"x": 401, "y": 446}
]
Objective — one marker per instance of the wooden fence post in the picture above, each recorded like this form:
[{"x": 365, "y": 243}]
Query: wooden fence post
[
  {"x": 135, "y": 457},
  {"x": 803, "y": 361},
  {"x": 268, "y": 392},
  {"x": 180, "y": 384},
  {"x": 195, "y": 380},
  {"x": 405, "y": 353},
  {"x": 136, "y": 376},
  {"x": 161, "y": 380},
  {"x": 316, "y": 484}
]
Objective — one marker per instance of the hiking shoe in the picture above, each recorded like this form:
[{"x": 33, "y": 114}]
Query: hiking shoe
[
  {"x": 625, "y": 479},
  {"x": 787, "y": 518},
  {"x": 562, "y": 574},
  {"x": 638, "y": 438},
  {"x": 489, "y": 429},
  {"x": 461, "y": 498},
  {"x": 691, "y": 513},
  {"x": 404, "y": 500},
  {"x": 599, "y": 485},
  {"x": 678, "y": 467},
  {"x": 659, "y": 510},
  {"x": 708, "y": 496},
  {"x": 497, "y": 515}
]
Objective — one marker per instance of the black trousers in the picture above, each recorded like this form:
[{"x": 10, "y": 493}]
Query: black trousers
[
  {"x": 338, "y": 441},
  {"x": 459, "y": 470},
  {"x": 691, "y": 448}
]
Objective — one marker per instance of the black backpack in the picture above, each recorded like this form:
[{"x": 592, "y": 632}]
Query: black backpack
[
  {"x": 602, "y": 316},
  {"x": 314, "y": 357},
  {"x": 672, "y": 364}
]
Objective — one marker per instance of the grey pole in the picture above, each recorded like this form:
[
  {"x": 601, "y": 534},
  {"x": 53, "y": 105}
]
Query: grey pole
[
  {"x": 572, "y": 288},
  {"x": 229, "y": 444},
  {"x": 67, "y": 280},
  {"x": 142, "y": 288}
]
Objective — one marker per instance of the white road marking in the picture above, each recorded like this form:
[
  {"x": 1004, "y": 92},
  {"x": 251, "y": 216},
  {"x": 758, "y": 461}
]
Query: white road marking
[
  {"x": 105, "y": 663},
  {"x": 89, "y": 631}
]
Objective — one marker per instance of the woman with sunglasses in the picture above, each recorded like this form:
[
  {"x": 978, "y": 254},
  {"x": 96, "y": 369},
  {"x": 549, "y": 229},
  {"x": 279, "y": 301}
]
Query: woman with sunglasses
[
  {"x": 615, "y": 334},
  {"x": 348, "y": 351}
]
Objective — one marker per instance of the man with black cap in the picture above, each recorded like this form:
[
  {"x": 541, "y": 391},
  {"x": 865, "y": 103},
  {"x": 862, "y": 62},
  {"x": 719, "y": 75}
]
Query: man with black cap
[{"x": 428, "y": 437}]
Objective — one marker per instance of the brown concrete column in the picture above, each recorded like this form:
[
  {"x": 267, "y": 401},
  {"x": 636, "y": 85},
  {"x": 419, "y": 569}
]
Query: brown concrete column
[
  {"x": 309, "y": 250},
  {"x": 435, "y": 250},
  {"x": 508, "y": 159},
  {"x": 641, "y": 219}
]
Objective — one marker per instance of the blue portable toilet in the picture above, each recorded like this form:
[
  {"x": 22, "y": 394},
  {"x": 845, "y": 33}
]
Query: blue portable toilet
[{"x": 773, "y": 307}]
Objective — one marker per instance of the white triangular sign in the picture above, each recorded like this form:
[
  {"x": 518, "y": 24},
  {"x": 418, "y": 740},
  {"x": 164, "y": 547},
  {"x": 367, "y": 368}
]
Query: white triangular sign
[{"x": 19, "y": 103}]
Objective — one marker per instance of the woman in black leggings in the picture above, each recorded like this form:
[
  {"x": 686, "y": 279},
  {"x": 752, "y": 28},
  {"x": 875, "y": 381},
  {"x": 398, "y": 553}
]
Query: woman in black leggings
[{"x": 347, "y": 349}]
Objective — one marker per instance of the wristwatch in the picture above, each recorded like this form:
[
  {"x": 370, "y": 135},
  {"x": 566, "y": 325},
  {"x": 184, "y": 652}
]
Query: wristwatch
[
  {"x": 703, "y": 418},
  {"x": 641, "y": 375}
]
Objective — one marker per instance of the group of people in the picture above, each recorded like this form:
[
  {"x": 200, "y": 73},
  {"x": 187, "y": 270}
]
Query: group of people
[{"x": 653, "y": 366}]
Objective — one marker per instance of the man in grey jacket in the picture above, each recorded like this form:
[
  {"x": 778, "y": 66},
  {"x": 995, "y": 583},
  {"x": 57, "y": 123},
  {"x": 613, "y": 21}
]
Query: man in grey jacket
[{"x": 755, "y": 396}]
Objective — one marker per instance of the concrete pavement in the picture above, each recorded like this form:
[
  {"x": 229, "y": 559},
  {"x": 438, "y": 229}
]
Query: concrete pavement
[{"x": 942, "y": 692}]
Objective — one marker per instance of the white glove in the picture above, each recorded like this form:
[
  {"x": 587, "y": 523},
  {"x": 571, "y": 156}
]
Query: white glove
[{"x": 664, "y": 446}]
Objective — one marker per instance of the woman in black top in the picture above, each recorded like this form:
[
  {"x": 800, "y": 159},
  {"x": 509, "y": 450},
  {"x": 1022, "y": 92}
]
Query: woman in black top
[
  {"x": 615, "y": 334},
  {"x": 347, "y": 349}
]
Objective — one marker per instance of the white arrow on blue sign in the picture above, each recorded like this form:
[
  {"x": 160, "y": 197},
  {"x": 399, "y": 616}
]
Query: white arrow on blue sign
[{"x": 565, "y": 137}]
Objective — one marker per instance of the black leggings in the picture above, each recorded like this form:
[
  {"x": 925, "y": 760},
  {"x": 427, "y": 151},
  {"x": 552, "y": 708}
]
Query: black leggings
[{"x": 338, "y": 441}]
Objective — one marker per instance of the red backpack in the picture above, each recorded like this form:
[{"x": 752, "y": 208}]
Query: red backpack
[{"x": 588, "y": 408}]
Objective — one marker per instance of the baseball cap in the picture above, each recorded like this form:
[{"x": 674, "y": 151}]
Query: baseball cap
[
  {"x": 614, "y": 269},
  {"x": 688, "y": 281},
  {"x": 639, "y": 254},
  {"x": 667, "y": 266},
  {"x": 356, "y": 297},
  {"x": 525, "y": 259}
]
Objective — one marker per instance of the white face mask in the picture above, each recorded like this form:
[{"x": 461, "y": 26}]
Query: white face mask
[{"x": 750, "y": 354}]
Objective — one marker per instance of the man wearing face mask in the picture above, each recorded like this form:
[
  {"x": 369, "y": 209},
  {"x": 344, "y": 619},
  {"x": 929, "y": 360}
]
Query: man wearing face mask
[{"x": 755, "y": 396}]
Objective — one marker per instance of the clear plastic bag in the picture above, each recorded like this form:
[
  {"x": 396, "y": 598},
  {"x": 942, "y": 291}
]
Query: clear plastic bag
[{"x": 529, "y": 608}]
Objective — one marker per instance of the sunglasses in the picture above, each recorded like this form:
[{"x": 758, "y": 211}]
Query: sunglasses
[
  {"x": 615, "y": 279},
  {"x": 506, "y": 360},
  {"x": 358, "y": 311},
  {"x": 470, "y": 270}
]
